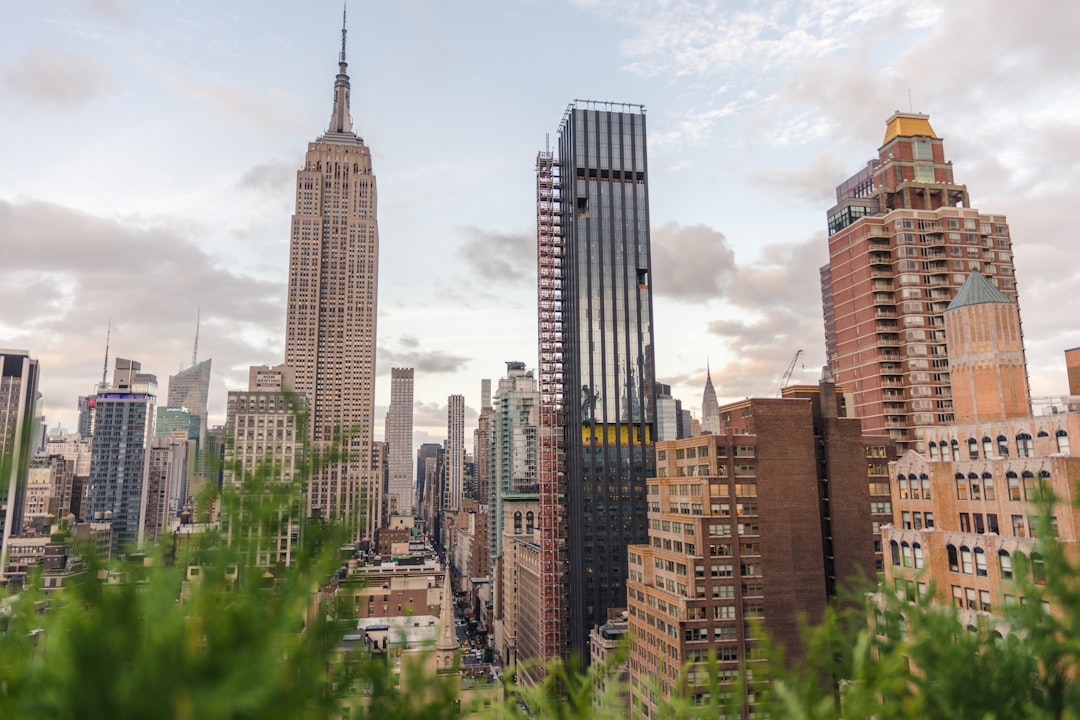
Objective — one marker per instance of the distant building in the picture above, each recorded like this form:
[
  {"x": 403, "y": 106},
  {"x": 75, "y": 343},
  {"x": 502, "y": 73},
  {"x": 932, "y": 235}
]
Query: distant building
[
  {"x": 120, "y": 456},
  {"x": 513, "y": 455},
  {"x": 710, "y": 408},
  {"x": 455, "y": 452},
  {"x": 18, "y": 396},
  {"x": 399, "y": 437},
  {"x": 903, "y": 238}
]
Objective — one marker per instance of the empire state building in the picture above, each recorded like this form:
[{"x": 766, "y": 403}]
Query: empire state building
[{"x": 332, "y": 309}]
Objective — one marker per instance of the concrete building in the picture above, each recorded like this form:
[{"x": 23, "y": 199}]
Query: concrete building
[
  {"x": 18, "y": 396},
  {"x": 332, "y": 312},
  {"x": 120, "y": 455},
  {"x": 596, "y": 376},
  {"x": 903, "y": 238},
  {"x": 963, "y": 511},
  {"x": 399, "y": 437},
  {"x": 763, "y": 522},
  {"x": 168, "y": 483},
  {"x": 516, "y": 614},
  {"x": 266, "y": 443},
  {"x": 513, "y": 450},
  {"x": 455, "y": 452}
]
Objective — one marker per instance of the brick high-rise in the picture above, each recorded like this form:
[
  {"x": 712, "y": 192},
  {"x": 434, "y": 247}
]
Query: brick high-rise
[
  {"x": 332, "y": 311},
  {"x": 903, "y": 238}
]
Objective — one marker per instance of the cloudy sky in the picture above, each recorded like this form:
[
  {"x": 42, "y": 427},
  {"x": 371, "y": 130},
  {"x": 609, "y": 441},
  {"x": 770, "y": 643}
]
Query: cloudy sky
[{"x": 149, "y": 152}]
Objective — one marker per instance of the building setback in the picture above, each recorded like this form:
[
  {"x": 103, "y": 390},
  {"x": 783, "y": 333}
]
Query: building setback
[
  {"x": 761, "y": 522},
  {"x": 903, "y": 238},
  {"x": 332, "y": 312}
]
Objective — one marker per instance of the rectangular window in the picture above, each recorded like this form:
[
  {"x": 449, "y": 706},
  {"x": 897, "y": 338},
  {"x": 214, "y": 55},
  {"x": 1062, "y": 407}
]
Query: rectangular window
[{"x": 965, "y": 523}]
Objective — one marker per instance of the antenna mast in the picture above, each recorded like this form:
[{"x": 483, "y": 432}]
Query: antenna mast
[
  {"x": 195, "y": 350},
  {"x": 344, "y": 8}
]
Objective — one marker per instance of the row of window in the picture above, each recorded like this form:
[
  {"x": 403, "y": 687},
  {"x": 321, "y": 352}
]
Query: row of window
[{"x": 990, "y": 448}]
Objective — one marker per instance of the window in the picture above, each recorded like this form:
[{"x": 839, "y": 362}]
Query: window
[
  {"x": 954, "y": 563},
  {"x": 1031, "y": 489},
  {"x": 517, "y": 523},
  {"x": 980, "y": 562},
  {"x": 961, "y": 487},
  {"x": 957, "y": 596},
  {"x": 992, "y": 523},
  {"x": 925, "y": 480},
  {"x": 966, "y": 565},
  {"x": 1005, "y": 564},
  {"x": 965, "y": 523},
  {"x": 929, "y": 519},
  {"x": 988, "y": 447},
  {"x": 901, "y": 485},
  {"x": 1003, "y": 446},
  {"x": 905, "y": 519},
  {"x": 916, "y": 550},
  {"x": 933, "y": 450},
  {"x": 984, "y": 600},
  {"x": 976, "y": 488},
  {"x": 905, "y": 553},
  {"x": 1062, "y": 442},
  {"x": 1038, "y": 569},
  {"x": 1014, "y": 485},
  {"x": 1018, "y": 526},
  {"x": 988, "y": 486},
  {"x": 530, "y": 520},
  {"x": 1024, "y": 446},
  {"x": 977, "y": 522},
  {"x": 973, "y": 449}
]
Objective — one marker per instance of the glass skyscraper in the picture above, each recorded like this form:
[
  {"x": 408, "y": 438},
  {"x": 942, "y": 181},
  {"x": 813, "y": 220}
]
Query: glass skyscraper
[{"x": 609, "y": 392}]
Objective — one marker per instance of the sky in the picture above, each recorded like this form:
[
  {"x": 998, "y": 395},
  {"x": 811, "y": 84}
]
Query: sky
[{"x": 150, "y": 149}]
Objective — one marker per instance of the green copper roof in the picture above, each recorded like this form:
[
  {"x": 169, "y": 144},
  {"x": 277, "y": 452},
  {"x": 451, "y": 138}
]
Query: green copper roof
[{"x": 977, "y": 290}]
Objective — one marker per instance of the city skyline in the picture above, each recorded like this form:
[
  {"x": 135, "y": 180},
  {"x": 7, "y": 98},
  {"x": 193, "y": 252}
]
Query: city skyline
[{"x": 778, "y": 117}]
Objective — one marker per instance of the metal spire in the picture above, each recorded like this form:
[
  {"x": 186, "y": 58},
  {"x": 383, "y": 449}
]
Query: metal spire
[
  {"x": 340, "y": 122},
  {"x": 105, "y": 367},
  {"x": 344, "y": 9}
]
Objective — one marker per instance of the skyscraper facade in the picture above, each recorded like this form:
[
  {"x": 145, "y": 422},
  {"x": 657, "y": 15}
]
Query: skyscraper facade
[
  {"x": 18, "y": 396},
  {"x": 190, "y": 389},
  {"x": 903, "y": 238},
  {"x": 399, "y": 436},
  {"x": 513, "y": 458},
  {"x": 120, "y": 455},
  {"x": 455, "y": 452},
  {"x": 332, "y": 311},
  {"x": 603, "y": 350}
]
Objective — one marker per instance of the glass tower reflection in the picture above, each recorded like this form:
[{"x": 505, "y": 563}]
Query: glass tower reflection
[{"x": 609, "y": 370}]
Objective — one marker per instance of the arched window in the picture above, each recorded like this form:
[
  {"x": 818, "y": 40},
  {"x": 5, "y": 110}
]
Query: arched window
[
  {"x": 1005, "y": 564},
  {"x": 905, "y": 554},
  {"x": 902, "y": 486},
  {"x": 933, "y": 450},
  {"x": 980, "y": 562},
  {"x": 517, "y": 523},
  {"x": 529, "y": 522},
  {"x": 894, "y": 547},
  {"x": 1024, "y": 445},
  {"x": 925, "y": 480},
  {"x": 1014, "y": 485},
  {"x": 1062, "y": 442},
  {"x": 1031, "y": 489},
  {"x": 976, "y": 488},
  {"x": 955, "y": 449},
  {"x": 988, "y": 486},
  {"x": 973, "y": 449},
  {"x": 966, "y": 564},
  {"x": 961, "y": 487},
  {"x": 1021, "y": 562},
  {"x": 954, "y": 563},
  {"x": 1038, "y": 569},
  {"x": 988, "y": 447},
  {"x": 1003, "y": 446},
  {"x": 945, "y": 454},
  {"x": 916, "y": 550}
]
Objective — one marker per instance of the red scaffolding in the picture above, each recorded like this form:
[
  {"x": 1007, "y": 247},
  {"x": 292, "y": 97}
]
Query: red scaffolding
[{"x": 552, "y": 525}]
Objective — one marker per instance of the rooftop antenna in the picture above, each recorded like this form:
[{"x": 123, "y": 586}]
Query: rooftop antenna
[
  {"x": 105, "y": 367},
  {"x": 195, "y": 350},
  {"x": 344, "y": 8}
]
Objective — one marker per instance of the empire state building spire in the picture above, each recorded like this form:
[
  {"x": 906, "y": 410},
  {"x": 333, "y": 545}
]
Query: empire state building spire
[{"x": 340, "y": 122}]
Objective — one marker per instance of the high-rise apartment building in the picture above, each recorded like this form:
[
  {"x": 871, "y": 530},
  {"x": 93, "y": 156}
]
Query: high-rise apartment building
[
  {"x": 903, "y": 238},
  {"x": 513, "y": 456},
  {"x": 332, "y": 311},
  {"x": 266, "y": 438},
  {"x": 761, "y": 522},
  {"x": 482, "y": 444},
  {"x": 596, "y": 365},
  {"x": 399, "y": 436},
  {"x": 455, "y": 452},
  {"x": 120, "y": 454},
  {"x": 18, "y": 396}
]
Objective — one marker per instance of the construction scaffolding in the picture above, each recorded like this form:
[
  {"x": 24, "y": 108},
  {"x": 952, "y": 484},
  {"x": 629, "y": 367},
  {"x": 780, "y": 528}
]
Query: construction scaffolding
[{"x": 552, "y": 525}]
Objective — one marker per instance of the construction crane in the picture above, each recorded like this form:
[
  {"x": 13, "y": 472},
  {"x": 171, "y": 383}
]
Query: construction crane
[{"x": 787, "y": 373}]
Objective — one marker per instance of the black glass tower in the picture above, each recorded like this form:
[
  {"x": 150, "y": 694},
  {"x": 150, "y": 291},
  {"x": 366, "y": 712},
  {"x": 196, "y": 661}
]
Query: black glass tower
[{"x": 609, "y": 389}]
